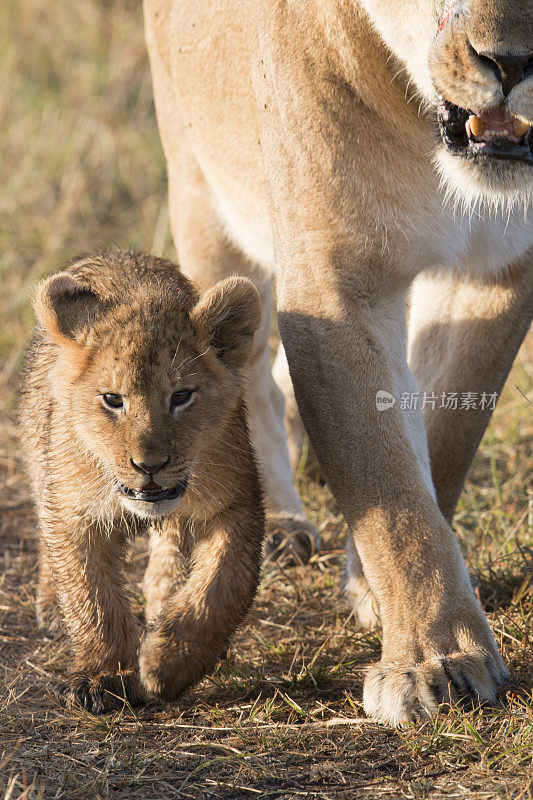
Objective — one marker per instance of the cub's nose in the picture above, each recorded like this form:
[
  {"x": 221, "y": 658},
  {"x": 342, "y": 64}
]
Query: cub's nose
[
  {"x": 510, "y": 69},
  {"x": 149, "y": 467}
]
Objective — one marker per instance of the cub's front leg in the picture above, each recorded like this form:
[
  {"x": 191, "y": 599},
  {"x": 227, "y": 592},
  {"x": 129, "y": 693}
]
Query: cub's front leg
[
  {"x": 196, "y": 623},
  {"x": 166, "y": 571},
  {"x": 86, "y": 563}
]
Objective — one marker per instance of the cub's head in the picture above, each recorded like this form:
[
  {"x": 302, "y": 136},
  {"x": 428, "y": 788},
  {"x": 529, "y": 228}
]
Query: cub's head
[
  {"x": 146, "y": 380},
  {"x": 473, "y": 61}
]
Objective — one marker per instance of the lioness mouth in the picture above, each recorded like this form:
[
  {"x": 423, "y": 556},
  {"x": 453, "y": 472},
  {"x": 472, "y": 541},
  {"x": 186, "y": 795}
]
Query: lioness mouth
[
  {"x": 153, "y": 495},
  {"x": 495, "y": 133}
]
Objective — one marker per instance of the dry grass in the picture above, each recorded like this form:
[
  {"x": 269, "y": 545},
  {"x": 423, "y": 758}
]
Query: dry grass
[{"x": 82, "y": 167}]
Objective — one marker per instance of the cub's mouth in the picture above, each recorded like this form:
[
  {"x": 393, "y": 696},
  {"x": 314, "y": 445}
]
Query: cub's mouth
[
  {"x": 153, "y": 493},
  {"x": 488, "y": 134}
]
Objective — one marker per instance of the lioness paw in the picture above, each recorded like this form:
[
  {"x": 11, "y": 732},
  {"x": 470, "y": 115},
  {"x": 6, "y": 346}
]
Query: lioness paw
[
  {"x": 291, "y": 540},
  {"x": 100, "y": 693},
  {"x": 399, "y": 694}
]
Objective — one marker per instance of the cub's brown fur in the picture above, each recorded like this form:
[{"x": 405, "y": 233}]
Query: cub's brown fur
[{"x": 132, "y": 417}]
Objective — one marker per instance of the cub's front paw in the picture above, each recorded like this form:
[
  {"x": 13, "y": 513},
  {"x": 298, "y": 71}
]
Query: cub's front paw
[
  {"x": 169, "y": 667},
  {"x": 398, "y": 694},
  {"x": 102, "y": 692}
]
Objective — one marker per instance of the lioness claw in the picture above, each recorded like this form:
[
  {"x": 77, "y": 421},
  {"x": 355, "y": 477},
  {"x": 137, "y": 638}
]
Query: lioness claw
[{"x": 398, "y": 694}]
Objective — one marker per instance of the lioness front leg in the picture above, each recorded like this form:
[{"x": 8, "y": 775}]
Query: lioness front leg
[
  {"x": 86, "y": 563},
  {"x": 195, "y": 625},
  {"x": 437, "y": 645}
]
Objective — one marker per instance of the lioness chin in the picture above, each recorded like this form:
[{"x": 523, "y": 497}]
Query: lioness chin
[
  {"x": 376, "y": 157},
  {"x": 132, "y": 418}
]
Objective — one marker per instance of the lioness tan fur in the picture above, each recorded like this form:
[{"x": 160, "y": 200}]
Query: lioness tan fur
[
  {"x": 133, "y": 417},
  {"x": 302, "y": 142}
]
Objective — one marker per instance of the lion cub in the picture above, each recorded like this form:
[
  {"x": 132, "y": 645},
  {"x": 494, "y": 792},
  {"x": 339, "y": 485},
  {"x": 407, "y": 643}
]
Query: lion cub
[{"x": 133, "y": 416}]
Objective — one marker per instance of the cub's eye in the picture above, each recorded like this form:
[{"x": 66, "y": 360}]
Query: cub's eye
[
  {"x": 112, "y": 400},
  {"x": 181, "y": 396}
]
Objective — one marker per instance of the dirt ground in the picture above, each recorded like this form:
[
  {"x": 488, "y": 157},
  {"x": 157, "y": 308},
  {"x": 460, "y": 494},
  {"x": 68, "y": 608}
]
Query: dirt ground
[{"x": 281, "y": 718}]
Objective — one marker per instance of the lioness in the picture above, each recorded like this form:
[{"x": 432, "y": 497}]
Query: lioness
[
  {"x": 132, "y": 416},
  {"x": 350, "y": 147}
]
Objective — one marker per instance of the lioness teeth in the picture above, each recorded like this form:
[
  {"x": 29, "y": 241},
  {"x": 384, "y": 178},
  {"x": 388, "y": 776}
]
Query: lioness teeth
[
  {"x": 496, "y": 124},
  {"x": 520, "y": 128},
  {"x": 477, "y": 126}
]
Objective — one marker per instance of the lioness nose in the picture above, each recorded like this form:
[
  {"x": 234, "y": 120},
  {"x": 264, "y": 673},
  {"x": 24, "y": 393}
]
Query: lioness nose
[
  {"x": 149, "y": 468},
  {"x": 510, "y": 69}
]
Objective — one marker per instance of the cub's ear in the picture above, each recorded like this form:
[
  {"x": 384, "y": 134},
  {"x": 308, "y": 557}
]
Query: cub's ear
[
  {"x": 65, "y": 307},
  {"x": 227, "y": 316}
]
